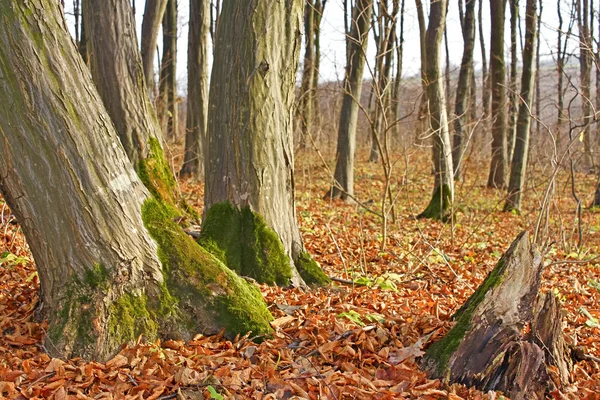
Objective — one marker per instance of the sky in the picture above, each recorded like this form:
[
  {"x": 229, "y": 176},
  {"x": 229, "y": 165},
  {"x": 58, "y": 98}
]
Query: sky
[{"x": 333, "y": 40}]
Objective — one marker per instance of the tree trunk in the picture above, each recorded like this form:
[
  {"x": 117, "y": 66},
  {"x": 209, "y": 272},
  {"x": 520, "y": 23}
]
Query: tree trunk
[
  {"x": 485, "y": 77},
  {"x": 519, "y": 160},
  {"x": 121, "y": 84},
  {"x": 424, "y": 124},
  {"x": 463, "y": 88},
  {"x": 167, "y": 106},
  {"x": 153, "y": 15},
  {"x": 486, "y": 349},
  {"x": 82, "y": 45},
  {"x": 398, "y": 78},
  {"x": 497, "y": 176},
  {"x": 249, "y": 181},
  {"x": 319, "y": 10},
  {"x": 584, "y": 68},
  {"x": 306, "y": 102},
  {"x": 440, "y": 206},
  {"x": 197, "y": 96},
  {"x": 346, "y": 143},
  {"x": 560, "y": 62},
  {"x": 112, "y": 263},
  {"x": 512, "y": 93}
]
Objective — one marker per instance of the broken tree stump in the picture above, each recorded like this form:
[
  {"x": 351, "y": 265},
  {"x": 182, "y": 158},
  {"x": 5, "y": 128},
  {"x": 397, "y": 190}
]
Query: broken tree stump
[{"x": 489, "y": 347}]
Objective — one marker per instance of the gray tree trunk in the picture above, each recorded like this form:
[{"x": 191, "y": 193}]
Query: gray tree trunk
[
  {"x": 440, "y": 206},
  {"x": 307, "y": 88},
  {"x": 463, "y": 88},
  {"x": 485, "y": 77},
  {"x": 197, "y": 96},
  {"x": 512, "y": 85},
  {"x": 93, "y": 228},
  {"x": 117, "y": 72},
  {"x": 153, "y": 15},
  {"x": 424, "y": 124},
  {"x": 519, "y": 160},
  {"x": 346, "y": 143},
  {"x": 167, "y": 102},
  {"x": 585, "y": 64},
  {"x": 249, "y": 181},
  {"x": 497, "y": 176}
]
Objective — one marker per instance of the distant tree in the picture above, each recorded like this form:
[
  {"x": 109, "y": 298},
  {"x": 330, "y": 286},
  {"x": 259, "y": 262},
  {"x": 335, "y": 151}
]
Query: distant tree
[
  {"x": 249, "y": 177},
  {"x": 497, "y": 176},
  {"x": 440, "y": 206},
  {"x": 167, "y": 106},
  {"x": 197, "y": 93},
  {"x": 396, "y": 94},
  {"x": 519, "y": 161},
  {"x": 356, "y": 49},
  {"x": 485, "y": 76},
  {"x": 512, "y": 84},
  {"x": 112, "y": 263},
  {"x": 585, "y": 65},
  {"x": 464, "y": 87},
  {"x": 153, "y": 15}
]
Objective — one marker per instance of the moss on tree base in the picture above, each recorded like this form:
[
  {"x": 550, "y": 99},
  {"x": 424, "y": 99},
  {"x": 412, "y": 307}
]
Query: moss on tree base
[
  {"x": 311, "y": 271},
  {"x": 440, "y": 206}
]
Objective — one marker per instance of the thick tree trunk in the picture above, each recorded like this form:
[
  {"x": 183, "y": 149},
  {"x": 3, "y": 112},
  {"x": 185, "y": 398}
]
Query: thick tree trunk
[
  {"x": 249, "y": 173},
  {"x": 197, "y": 96},
  {"x": 117, "y": 72},
  {"x": 167, "y": 105},
  {"x": 519, "y": 160},
  {"x": 153, "y": 15},
  {"x": 463, "y": 88},
  {"x": 486, "y": 348},
  {"x": 440, "y": 206},
  {"x": 95, "y": 232},
  {"x": 346, "y": 143},
  {"x": 497, "y": 176},
  {"x": 512, "y": 84}
]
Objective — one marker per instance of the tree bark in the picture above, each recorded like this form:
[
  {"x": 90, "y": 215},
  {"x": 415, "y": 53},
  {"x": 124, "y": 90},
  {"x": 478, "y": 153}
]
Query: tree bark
[
  {"x": 117, "y": 72},
  {"x": 96, "y": 232},
  {"x": 153, "y": 15},
  {"x": 249, "y": 174},
  {"x": 463, "y": 87},
  {"x": 197, "y": 96},
  {"x": 585, "y": 65},
  {"x": 519, "y": 160},
  {"x": 167, "y": 106},
  {"x": 512, "y": 94},
  {"x": 346, "y": 143},
  {"x": 423, "y": 112},
  {"x": 440, "y": 206},
  {"x": 486, "y": 348},
  {"x": 307, "y": 87},
  {"x": 485, "y": 77},
  {"x": 497, "y": 176}
]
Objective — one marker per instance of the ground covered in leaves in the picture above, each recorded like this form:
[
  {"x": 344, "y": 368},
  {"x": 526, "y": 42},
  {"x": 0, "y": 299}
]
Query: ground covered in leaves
[{"x": 359, "y": 338}]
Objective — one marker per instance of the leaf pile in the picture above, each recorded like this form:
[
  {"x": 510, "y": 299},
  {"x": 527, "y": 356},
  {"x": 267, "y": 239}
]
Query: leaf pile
[{"x": 356, "y": 339}]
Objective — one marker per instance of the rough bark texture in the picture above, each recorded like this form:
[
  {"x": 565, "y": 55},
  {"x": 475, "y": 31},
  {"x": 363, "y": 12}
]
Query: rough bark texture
[
  {"x": 249, "y": 173},
  {"x": 346, "y": 143},
  {"x": 167, "y": 102},
  {"x": 443, "y": 193},
  {"x": 96, "y": 232},
  {"x": 486, "y": 348},
  {"x": 519, "y": 160},
  {"x": 153, "y": 15},
  {"x": 463, "y": 88},
  {"x": 197, "y": 96},
  {"x": 116, "y": 68},
  {"x": 497, "y": 176}
]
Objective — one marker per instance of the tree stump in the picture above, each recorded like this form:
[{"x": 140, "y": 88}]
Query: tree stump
[{"x": 490, "y": 348}]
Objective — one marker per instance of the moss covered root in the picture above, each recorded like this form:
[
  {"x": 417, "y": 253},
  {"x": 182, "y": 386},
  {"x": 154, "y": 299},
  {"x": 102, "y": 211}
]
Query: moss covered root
[
  {"x": 311, "y": 271},
  {"x": 440, "y": 206}
]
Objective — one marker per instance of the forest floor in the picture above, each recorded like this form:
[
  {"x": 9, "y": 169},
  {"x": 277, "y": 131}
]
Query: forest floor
[{"x": 357, "y": 340}]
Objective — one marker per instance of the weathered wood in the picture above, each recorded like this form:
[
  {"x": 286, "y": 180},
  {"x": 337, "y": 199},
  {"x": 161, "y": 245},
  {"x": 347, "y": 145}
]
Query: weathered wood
[{"x": 487, "y": 349}]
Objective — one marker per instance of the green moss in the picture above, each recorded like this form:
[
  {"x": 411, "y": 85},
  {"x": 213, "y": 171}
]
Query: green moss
[
  {"x": 155, "y": 172},
  {"x": 129, "y": 317},
  {"x": 245, "y": 243},
  {"x": 197, "y": 281},
  {"x": 310, "y": 271},
  {"x": 96, "y": 277},
  {"x": 440, "y": 206},
  {"x": 441, "y": 351}
]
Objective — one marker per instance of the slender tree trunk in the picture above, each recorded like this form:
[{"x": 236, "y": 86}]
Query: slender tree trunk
[
  {"x": 197, "y": 96},
  {"x": 560, "y": 60},
  {"x": 153, "y": 15},
  {"x": 512, "y": 93},
  {"x": 167, "y": 109},
  {"x": 519, "y": 161},
  {"x": 319, "y": 10},
  {"x": 538, "y": 87},
  {"x": 497, "y": 176},
  {"x": 398, "y": 78},
  {"x": 95, "y": 232},
  {"x": 346, "y": 144},
  {"x": 584, "y": 68},
  {"x": 423, "y": 112},
  {"x": 249, "y": 172},
  {"x": 440, "y": 206},
  {"x": 82, "y": 45},
  {"x": 464, "y": 87},
  {"x": 305, "y": 108},
  {"x": 485, "y": 78}
]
